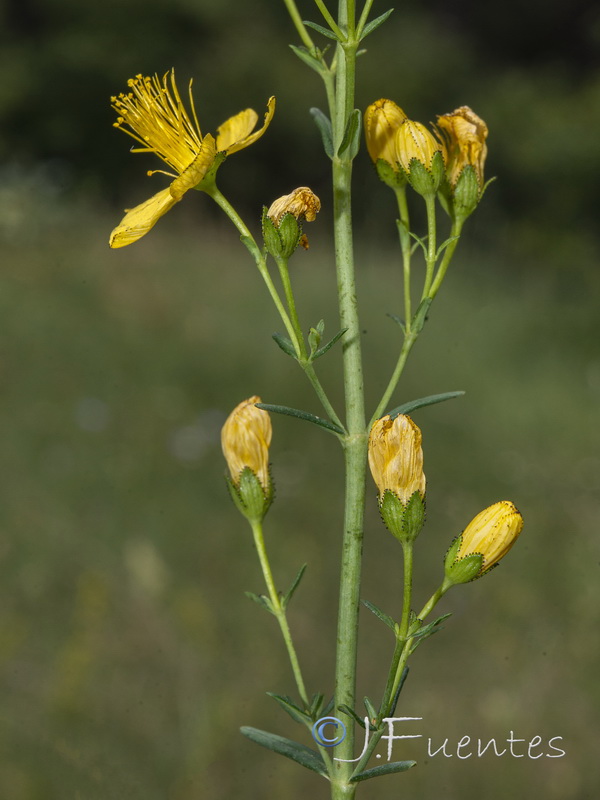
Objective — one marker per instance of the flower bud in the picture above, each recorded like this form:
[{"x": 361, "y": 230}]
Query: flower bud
[
  {"x": 245, "y": 439},
  {"x": 282, "y": 232},
  {"x": 485, "y": 540},
  {"x": 382, "y": 120},
  {"x": 420, "y": 156},
  {"x": 462, "y": 135},
  {"x": 396, "y": 462}
]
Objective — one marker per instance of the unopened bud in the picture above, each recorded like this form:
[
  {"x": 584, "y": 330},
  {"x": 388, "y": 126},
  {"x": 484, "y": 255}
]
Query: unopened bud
[
  {"x": 282, "y": 231},
  {"x": 382, "y": 121},
  {"x": 420, "y": 156}
]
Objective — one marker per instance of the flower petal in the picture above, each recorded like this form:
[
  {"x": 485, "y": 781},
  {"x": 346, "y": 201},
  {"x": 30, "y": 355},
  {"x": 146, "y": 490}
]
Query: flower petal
[
  {"x": 195, "y": 172},
  {"x": 139, "y": 220},
  {"x": 236, "y": 132}
]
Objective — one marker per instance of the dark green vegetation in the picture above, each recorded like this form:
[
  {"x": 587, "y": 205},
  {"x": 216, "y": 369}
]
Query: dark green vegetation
[{"x": 129, "y": 656}]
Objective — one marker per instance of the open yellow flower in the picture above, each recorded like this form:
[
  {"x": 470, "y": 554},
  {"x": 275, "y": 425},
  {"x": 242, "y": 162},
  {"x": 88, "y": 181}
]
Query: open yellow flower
[{"x": 153, "y": 114}]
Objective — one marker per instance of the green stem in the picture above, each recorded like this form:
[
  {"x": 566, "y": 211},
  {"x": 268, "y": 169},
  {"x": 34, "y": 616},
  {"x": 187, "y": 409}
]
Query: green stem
[
  {"x": 431, "y": 244},
  {"x": 409, "y": 340},
  {"x": 278, "y": 609},
  {"x": 256, "y": 253},
  {"x": 330, "y": 20},
  {"x": 403, "y": 232},
  {"x": 363, "y": 18},
  {"x": 298, "y": 24},
  {"x": 448, "y": 253},
  {"x": 355, "y": 443}
]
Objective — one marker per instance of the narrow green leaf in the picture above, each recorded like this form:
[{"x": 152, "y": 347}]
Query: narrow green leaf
[
  {"x": 328, "y": 708},
  {"x": 284, "y": 343},
  {"x": 374, "y": 24},
  {"x": 398, "y": 320},
  {"x": 431, "y": 628},
  {"x": 324, "y": 31},
  {"x": 295, "y": 412},
  {"x": 381, "y": 614},
  {"x": 286, "y": 747},
  {"x": 291, "y": 708},
  {"x": 323, "y": 123},
  {"x": 290, "y": 592},
  {"x": 384, "y": 769},
  {"x": 315, "y": 705},
  {"x": 351, "y": 138},
  {"x": 322, "y": 350},
  {"x": 444, "y": 245},
  {"x": 260, "y": 600},
  {"x": 310, "y": 60},
  {"x": 371, "y": 710},
  {"x": 420, "y": 316},
  {"x": 398, "y": 690},
  {"x": 350, "y": 712},
  {"x": 430, "y": 400}
]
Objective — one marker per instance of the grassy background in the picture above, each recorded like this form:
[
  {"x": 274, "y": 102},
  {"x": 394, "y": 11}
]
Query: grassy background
[{"x": 129, "y": 655}]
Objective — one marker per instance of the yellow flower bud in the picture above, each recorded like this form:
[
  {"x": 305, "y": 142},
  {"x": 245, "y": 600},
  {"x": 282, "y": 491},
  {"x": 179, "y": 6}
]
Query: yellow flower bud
[
  {"x": 382, "y": 120},
  {"x": 485, "y": 540},
  {"x": 396, "y": 457},
  {"x": 245, "y": 439},
  {"x": 463, "y": 134},
  {"x": 413, "y": 140},
  {"x": 492, "y": 533}
]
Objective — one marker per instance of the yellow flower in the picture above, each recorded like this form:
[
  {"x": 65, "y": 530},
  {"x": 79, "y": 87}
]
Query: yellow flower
[
  {"x": 491, "y": 534},
  {"x": 302, "y": 203},
  {"x": 463, "y": 134},
  {"x": 396, "y": 457},
  {"x": 157, "y": 119},
  {"x": 413, "y": 140},
  {"x": 382, "y": 120},
  {"x": 245, "y": 439}
]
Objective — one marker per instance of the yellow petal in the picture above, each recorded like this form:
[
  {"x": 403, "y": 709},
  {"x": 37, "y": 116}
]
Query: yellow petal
[
  {"x": 139, "y": 220},
  {"x": 196, "y": 171},
  {"x": 236, "y": 132},
  {"x": 382, "y": 120}
]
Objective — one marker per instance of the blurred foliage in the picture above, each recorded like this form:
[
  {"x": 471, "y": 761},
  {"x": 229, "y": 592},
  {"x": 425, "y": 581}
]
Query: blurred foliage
[{"x": 129, "y": 655}]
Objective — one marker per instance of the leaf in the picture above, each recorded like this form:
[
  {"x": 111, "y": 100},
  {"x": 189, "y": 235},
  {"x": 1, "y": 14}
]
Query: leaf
[
  {"x": 323, "y": 123},
  {"x": 286, "y": 747},
  {"x": 290, "y": 592},
  {"x": 444, "y": 245},
  {"x": 374, "y": 24},
  {"x": 295, "y": 412},
  {"x": 351, "y": 139},
  {"x": 371, "y": 710},
  {"x": 322, "y": 350},
  {"x": 430, "y": 629},
  {"x": 324, "y": 31},
  {"x": 398, "y": 690},
  {"x": 381, "y": 614},
  {"x": 430, "y": 400},
  {"x": 310, "y": 60},
  {"x": 398, "y": 320},
  {"x": 315, "y": 705},
  {"x": 261, "y": 600},
  {"x": 420, "y": 316},
  {"x": 350, "y": 712},
  {"x": 285, "y": 344},
  {"x": 384, "y": 769},
  {"x": 291, "y": 708}
]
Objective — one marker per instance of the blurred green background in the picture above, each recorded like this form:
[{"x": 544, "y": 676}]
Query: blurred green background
[{"x": 129, "y": 655}]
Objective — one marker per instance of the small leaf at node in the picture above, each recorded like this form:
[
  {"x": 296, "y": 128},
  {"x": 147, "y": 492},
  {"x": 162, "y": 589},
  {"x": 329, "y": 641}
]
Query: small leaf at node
[
  {"x": 430, "y": 400},
  {"x": 384, "y": 769},
  {"x": 381, "y": 614},
  {"x": 323, "y": 123},
  {"x": 286, "y": 747},
  {"x": 260, "y": 600},
  {"x": 324, "y": 31},
  {"x": 290, "y": 592},
  {"x": 351, "y": 139},
  {"x": 295, "y": 412},
  {"x": 291, "y": 708},
  {"x": 310, "y": 60},
  {"x": 322, "y": 350},
  {"x": 284, "y": 343},
  {"x": 374, "y": 24}
]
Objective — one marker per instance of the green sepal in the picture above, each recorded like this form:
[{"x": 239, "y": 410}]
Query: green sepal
[
  {"x": 261, "y": 600},
  {"x": 323, "y": 123},
  {"x": 281, "y": 240},
  {"x": 464, "y": 569},
  {"x": 467, "y": 193},
  {"x": 420, "y": 317},
  {"x": 420, "y": 178},
  {"x": 392, "y": 513},
  {"x": 270, "y": 233},
  {"x": 351, "y": 139},
  {"x": 322, "y": 350},
  {"x": 290, "y": 592},
  {"x": 350, "y": 712},
  {"x": 394, "y": 178},
  {"x": 380, "y": 614},
  {"x": 374, "y": 24},
  {"x": 384, "y": 769},
  {"x": 414, "y": 516},
  {"x": 249, "y": 496},
  {"x": 286, "y": 747},
  {"x": 420, "y": 402},
  {"x": 314, "y": 337},
  {"x": 320, "y": 29},
  {"x": 285, "y": 344},
  {"x": 295, "y": 412},
  {"x": 296, "y": 713},
  {"x": 438, "y": 170},
  {"x": 308, "y": 58}
]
